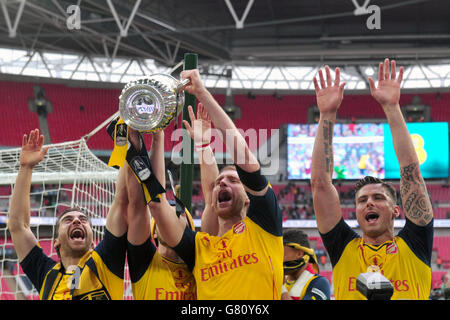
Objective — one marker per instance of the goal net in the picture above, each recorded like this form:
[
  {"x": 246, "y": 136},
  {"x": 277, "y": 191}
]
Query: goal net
[{"x": 70, "y": 175}]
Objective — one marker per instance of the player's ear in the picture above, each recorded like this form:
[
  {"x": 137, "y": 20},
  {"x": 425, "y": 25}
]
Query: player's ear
[
  {"x": 396, "y": 212},
  {"x": 299, "y": 254},
  {"x": 56, "y": 245},
  {"x": 247, "y": 200}
]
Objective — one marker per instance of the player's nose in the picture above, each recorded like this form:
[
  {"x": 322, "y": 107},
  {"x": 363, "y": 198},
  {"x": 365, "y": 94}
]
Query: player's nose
[
  {"x": 223, "y": 182},
  {"x": 370, "y": 202}
]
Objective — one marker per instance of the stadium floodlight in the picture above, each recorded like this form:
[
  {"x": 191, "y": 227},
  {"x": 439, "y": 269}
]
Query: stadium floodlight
[{"x": 369, "y": 71}]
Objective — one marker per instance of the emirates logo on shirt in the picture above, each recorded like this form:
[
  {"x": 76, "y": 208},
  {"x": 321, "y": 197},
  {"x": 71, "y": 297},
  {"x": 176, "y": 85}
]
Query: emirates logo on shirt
[
  {"x": 391, "y": 248},
  {"x": 239, "y": 227}
]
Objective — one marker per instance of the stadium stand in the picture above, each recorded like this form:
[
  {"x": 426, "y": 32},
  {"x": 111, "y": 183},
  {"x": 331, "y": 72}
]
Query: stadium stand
[
  {"x": 441, "y": 245},
  {"x": 14, "y": 104},
  {"x": 436, "y": 278},
  {"x": 263, "y": 111},
  {"x": 5, "y": 292}
]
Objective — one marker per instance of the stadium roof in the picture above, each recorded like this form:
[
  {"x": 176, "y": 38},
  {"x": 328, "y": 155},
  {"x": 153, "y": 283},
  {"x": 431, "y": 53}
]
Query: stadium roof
[{"x": 267, "y": 44}]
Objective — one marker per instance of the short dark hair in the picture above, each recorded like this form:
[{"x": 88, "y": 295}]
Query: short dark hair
[
  {"x": 296, "y": 236},
  {"x": 62, "y": 214},
  {"x": 372, "y": 180}
]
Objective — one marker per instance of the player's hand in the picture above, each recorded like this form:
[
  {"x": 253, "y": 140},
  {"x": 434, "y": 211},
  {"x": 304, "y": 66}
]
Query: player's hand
[
  {"x": 32, "y": 152},
  {"x": 329, "y": 95},
  {"x": 286, "y": 296},
  {"x": 200, "y": 128},
  {"x": 195, "y": 86},
  {"x": 388, "y": 92}
]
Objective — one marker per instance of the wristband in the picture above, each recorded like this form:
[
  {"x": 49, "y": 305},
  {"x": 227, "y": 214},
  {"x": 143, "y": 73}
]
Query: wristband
[
  {"x": 253, "y": 180},
  {"x": 199, "y": 147}
]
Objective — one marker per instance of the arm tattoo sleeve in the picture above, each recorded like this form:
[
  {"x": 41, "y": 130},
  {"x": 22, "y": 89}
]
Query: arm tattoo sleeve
[
  {"x": 413, "y": 191},
  {"x": 328, "y": 144}
]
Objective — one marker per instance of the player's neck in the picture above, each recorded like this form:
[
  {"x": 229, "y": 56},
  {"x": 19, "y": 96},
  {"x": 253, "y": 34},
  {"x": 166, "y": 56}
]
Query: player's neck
[
  {"x": 377, "y": 240},
  {"x": 226, "y": 224},
  {"x": 70, "y": 260},
  {"x": 168, "y": 253}
]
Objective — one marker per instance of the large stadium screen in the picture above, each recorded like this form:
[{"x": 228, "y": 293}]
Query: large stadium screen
[{"x": 367, "y": 149}]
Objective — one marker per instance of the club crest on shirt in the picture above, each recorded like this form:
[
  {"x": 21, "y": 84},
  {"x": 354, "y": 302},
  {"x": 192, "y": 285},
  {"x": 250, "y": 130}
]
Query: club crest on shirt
[
  {"x": 373, "y": 268},
  {"x": 179, "y": 274},
  {"x": 391, "y": 248},
  {"x": 239, "y": 227}
]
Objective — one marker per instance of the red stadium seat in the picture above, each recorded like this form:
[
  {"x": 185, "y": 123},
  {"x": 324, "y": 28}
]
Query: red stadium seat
[
  {"x": 69, "y": 122},
  {"x": 15, "y": 112},
  {"x": 5, "y": 292},
  {"x": 442, "y": 245},
  {"x": 436, "y": 278}
]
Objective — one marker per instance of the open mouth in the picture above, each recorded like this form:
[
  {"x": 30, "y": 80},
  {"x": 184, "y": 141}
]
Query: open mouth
[
  {"x": 372, "y": 217},
  {"x": 77, "y": 234},
  {"x": 224, "y": 197}
]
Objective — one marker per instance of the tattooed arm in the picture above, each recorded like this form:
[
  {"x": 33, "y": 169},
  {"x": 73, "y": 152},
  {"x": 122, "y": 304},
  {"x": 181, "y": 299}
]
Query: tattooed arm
[
  {"x": 325, "y": 196},
  {"x": 413, "y": 191}
]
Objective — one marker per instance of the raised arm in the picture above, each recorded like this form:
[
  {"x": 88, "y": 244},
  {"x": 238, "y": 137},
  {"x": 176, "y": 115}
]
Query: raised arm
[
  {"x": 234, "y": 141},
  {"x": 200, "y": 132},
  {"x": 138, "y": 212},
  {"x": 161, "y": 210},
  {"x": 325, "y": 196},
  {"x": 116, "y": 220},
  {"x": 19, "y": 212},
  {"x": 415, "y": 200}
]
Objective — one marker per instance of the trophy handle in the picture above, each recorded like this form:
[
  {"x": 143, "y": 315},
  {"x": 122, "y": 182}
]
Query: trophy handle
[{"x": 182, "y": 84}]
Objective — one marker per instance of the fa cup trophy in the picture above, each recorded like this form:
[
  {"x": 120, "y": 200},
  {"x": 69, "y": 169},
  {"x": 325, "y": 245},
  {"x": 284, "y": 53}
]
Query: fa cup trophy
[{"x": 149, "y": 104}]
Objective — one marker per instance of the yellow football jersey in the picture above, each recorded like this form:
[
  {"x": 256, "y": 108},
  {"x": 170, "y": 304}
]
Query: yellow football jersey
[
  {"x": 405, "y": 261},
  {"x": 245, "y": 263},
  {"x": 165, "y": 280},
  {"x": 62, "y": 291},
  {"x": 98, "y": 275}
]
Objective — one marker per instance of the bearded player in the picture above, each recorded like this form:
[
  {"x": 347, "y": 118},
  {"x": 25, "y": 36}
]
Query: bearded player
[
  {"x": 244, "y": 260},
  {"x": 83, "y": 272}
]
